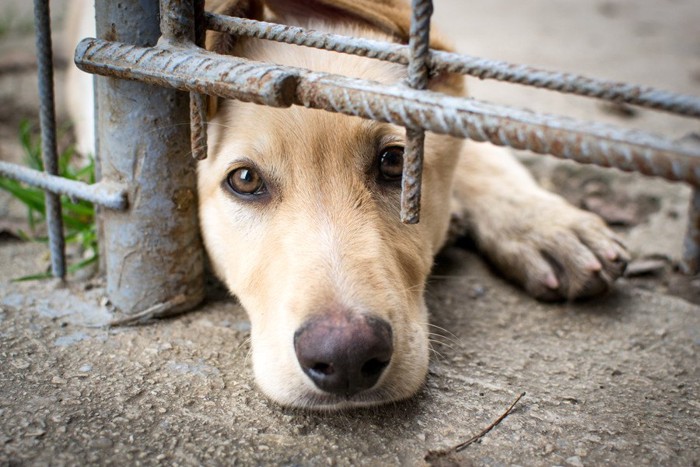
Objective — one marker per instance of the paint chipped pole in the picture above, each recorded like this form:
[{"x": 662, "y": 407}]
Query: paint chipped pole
[
  {"x": 153, "y": 253},
  {"x": 419, "y": 48}
]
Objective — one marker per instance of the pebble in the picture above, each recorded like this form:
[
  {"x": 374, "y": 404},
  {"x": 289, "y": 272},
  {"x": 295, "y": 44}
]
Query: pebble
[{"x": 575, "y": 461}]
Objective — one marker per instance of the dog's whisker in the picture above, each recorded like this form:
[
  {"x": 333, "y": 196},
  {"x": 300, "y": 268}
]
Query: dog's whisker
[
  {"x": 439, "y": 328},
  {"x": 437, "y": 338},
  {"x": 435, "y": 352}
]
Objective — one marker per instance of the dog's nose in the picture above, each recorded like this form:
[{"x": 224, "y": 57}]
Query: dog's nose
[{"x": 344, "y": 353}]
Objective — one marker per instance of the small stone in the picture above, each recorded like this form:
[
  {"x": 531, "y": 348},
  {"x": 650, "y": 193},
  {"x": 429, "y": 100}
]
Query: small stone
[
  {"x": 575, "y": 461},
  {"x": 58, "y": 380},
  {"x": 21, "y": 364},
  {"x": 645, "y": 267}
]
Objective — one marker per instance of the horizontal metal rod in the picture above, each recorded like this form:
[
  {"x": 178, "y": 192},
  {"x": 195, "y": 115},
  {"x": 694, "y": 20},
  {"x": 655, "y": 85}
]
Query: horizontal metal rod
[
  {"x": 589, "y": 143},
  {"x": 106, "y": 194},
  {"x": 643, "y": 96},
  {"x": 189, "y": 69}
]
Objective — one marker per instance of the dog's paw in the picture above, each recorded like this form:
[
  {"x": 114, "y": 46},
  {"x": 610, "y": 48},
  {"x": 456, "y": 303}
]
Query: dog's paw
[{"x": 552, "y": 249}]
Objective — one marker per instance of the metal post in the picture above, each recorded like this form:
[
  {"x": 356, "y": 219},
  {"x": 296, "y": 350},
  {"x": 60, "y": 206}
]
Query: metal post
[
  {"x": 153, "y": 252},
  {"x": 47, "y": 119}
]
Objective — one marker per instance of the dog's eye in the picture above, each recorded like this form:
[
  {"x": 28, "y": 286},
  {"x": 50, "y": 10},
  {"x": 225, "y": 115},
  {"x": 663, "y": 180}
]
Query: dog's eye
[
  {"x": 391, "y": 163},
  {"x": 246, "y": 181}
]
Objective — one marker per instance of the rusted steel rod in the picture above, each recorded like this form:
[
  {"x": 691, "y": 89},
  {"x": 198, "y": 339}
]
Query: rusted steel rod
[
  {"x": 643, "y": 96},
  {"x": 418, "y": 72},
  {"x": 105, "y": 194},
  {"x": 181, "y": 25},
  {"x": 691, "y": 244},
  {"x": 47, "y": 119},
  {"x": 198, "y": 102},
  {"x": 588, "y": 143}
]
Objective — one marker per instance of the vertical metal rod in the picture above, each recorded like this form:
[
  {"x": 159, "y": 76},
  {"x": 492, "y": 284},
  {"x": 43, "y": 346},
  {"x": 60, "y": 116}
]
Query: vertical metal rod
[
  {"x": 182, "y": 24},
  {"x": 47, "y": 119},
  {"x": 418, "y": 72},
  {"x": 691, "y": 244},
  {"x": 198, "y": 102},
  {"x": 153, "y": 253}
]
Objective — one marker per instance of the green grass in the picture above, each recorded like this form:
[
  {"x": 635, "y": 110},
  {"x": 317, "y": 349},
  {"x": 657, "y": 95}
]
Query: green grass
[
  {"x": 13, "y": 22},
  {"x": 78, "y": 216}
]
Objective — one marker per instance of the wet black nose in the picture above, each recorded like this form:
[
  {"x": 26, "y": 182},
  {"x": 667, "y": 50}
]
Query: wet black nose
[{"x": 344, "y": 353}]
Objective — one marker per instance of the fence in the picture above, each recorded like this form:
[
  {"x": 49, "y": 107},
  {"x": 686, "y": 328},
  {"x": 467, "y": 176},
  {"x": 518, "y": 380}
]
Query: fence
[{"x": 153, "y": 256}]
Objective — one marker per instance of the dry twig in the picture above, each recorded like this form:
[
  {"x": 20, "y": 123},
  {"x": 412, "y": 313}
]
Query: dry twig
[{"x": 432, "y": 455}]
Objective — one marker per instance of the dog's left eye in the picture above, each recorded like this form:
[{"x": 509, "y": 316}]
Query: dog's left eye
[
  {"x": 391, "y": 163},
  {"x": 246, "y": 182}
]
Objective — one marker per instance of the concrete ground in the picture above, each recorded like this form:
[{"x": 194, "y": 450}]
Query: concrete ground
[{"x": 609, "y": 381}]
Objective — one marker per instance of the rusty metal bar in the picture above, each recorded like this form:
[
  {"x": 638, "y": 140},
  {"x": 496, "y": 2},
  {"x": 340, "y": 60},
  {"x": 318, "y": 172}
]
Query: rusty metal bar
[
  {"x": 691, "y": 244},
  {"x": 153, "y": 252},
  {"x": 47, "y": 119},
  {"x": 105, "y": 194},
  {"x": 198, "y": 102},
  {"x": 418, "y": 70},
  {"x": 643, "y": 96},
  {"x": 181, "y": 25},
  {"x": 189, "y": 70},
  {"x": 589, "y": 143}
]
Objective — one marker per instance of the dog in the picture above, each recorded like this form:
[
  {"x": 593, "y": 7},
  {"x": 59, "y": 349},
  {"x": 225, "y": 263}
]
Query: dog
[{"x": 299, "y": 212}]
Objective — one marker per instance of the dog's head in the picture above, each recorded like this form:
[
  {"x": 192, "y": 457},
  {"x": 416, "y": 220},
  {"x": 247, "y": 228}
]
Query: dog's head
[{"x": 300, "y": 216}]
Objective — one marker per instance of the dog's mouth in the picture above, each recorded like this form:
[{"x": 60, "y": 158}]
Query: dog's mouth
[{"x": 322, "y": 401}]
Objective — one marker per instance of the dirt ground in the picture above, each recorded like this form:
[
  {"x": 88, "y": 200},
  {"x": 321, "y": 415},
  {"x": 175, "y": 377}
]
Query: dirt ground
[{"x": 609, "y": 381}]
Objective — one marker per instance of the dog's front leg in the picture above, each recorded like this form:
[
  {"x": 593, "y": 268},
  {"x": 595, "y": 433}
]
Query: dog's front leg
[{"x": 551, "y": 248}]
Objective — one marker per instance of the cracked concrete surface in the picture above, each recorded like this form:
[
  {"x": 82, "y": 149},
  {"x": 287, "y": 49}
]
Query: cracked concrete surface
[{"x": 609, "y": 381}]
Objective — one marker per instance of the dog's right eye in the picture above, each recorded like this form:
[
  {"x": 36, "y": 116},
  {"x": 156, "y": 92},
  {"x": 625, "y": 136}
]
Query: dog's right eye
[
  {"x": 391, "y": 163},
  {"x": 245, "y": 181}
]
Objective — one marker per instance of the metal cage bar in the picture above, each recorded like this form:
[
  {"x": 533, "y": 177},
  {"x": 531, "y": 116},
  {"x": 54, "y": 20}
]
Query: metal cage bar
[
  {"x": 418, "y": 71},
  {"x": 590, "y": 143},
  {"x": 47, "y": 119},
  {"x": 106, "y": 194},
  {"x": 439, "y": 61}
]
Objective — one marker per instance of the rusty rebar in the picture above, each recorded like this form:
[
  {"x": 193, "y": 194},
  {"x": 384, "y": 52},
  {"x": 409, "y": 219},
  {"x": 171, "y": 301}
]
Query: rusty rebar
[
  {"x": 198, "y": 102},
  {"x": 106, "y": 194},
  {"x": 418, "y": 74},
  {"x": 191, "y": 70},
  {"x": 691, "y": 244},
  {"x": 589, "y": 143},
  {"x": 182, "y": 25},
  {"x": 569, "y": 83},
  {"x": 47, "y": 119}
]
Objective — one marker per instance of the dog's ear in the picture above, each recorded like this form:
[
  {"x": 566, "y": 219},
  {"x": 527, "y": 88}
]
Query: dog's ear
[
  {"x": 393, "y": 17},
  {"x": 223, "y": 43}
]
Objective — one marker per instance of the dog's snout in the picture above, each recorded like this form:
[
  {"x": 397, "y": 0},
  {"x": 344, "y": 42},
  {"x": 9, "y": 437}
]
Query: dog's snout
[{"x": 344, "y": 353}]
